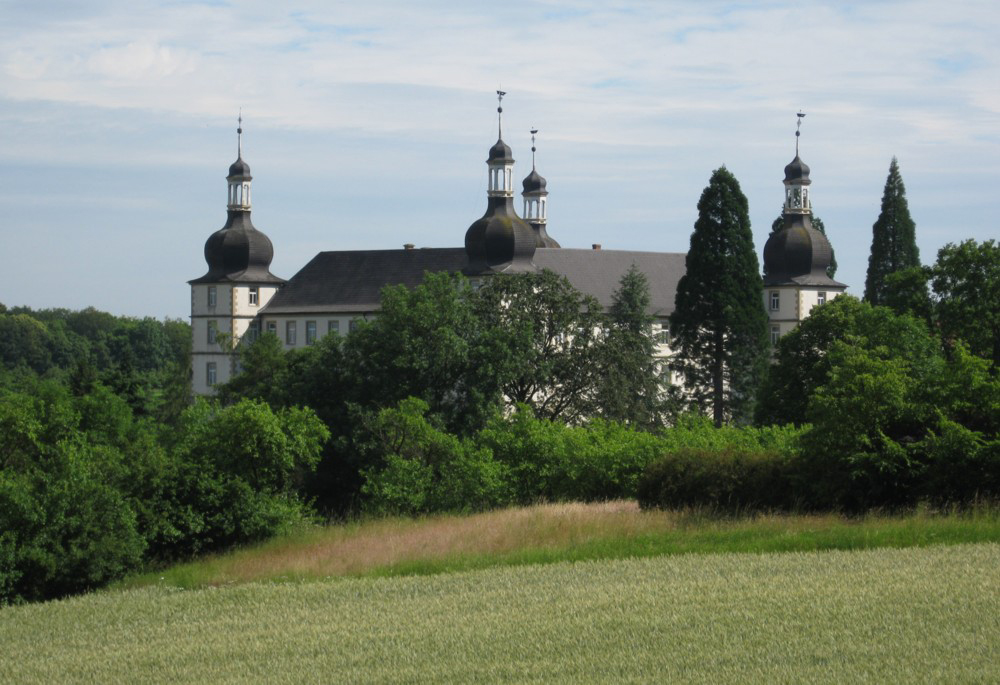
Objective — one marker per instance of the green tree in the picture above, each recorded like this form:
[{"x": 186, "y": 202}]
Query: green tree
[
  {"x": 539, "y": 338},
  {"x": 802, "y": 361},
  {"x": 629, "y": 387},
  {"x": 420, "y": 345},
  {"x": 894, "y": 238},
  {"x": 966, "y": 281},
  {"x": 907, "y": 292},
  {"x": 719, "y": 327},
  {"x": 818, "y": 224},
  {"x": 423, "y": 469}
]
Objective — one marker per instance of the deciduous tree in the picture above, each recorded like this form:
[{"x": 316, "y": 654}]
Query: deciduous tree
[{"x": 966, "y": 281}]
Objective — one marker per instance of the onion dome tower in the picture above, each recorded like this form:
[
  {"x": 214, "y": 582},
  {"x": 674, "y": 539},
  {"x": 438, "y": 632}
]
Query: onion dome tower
[
  {"x": 238, "y": 252},
  {"x": 500, "y": 241},
  {"x": 535, "y": 201},
  {"x": 797, "y": 256},
  {"x": 225, "y": 301}
]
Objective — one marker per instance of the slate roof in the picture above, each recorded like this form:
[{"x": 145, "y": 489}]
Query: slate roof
[
  {"x": 599, "y": 272},
  {"x": 238, "y": 253},
  {"x": 350, "y": 281}
]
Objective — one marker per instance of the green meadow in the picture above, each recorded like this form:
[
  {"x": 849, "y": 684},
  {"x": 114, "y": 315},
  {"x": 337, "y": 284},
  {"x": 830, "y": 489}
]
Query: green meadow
[
  {"x": 928, "y": 614},
  {"x": 620, "y": 595}
]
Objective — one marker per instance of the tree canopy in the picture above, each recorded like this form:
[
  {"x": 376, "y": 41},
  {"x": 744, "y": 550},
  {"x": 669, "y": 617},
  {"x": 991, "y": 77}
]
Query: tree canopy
[{"x": 966, "y": 282}]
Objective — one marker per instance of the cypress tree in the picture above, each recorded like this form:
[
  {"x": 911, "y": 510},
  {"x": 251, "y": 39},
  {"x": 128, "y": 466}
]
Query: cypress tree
[
  {"x": 894, "y": 238},
  {"x": 719, "y": 325}
]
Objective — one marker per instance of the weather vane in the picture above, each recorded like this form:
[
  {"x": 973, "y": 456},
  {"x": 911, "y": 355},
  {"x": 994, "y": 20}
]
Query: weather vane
[
  {"x": 239, "y": 135},
  {"x": 798, "y": 125},
  {"x": 533, "y": 132}
]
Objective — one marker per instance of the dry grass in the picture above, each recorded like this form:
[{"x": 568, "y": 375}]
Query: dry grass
[
  {"x": 555, "y": 532},
  {"x": 359, "y": 548}
]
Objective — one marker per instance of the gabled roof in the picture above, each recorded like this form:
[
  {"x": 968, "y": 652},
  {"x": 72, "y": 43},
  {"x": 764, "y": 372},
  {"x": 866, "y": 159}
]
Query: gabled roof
[{"x": 351, "y": 281}]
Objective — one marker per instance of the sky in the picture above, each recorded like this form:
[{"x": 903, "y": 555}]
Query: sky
[{"x": 366, "y": 126}]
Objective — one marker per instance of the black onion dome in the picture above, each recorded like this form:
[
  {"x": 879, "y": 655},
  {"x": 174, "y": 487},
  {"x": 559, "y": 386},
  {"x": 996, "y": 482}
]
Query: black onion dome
[
  {"x": 798, "y": 254},
  {"x": 500, "y": 240},
  {"x": 500, "y": 152},
  {"x": 533, "y": 183},
  {"x": 239, "y": 252},
  {"x": 239, "y": 168},
  {"x": 542, "y": 237},
  {"x": 797, "y": 170}
]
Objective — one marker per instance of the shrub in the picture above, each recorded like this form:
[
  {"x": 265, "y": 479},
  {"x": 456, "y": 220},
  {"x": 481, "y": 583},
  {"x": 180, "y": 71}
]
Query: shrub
[
  {"x": 420, "y": 468},
  {"x": 729, "y": 479}
]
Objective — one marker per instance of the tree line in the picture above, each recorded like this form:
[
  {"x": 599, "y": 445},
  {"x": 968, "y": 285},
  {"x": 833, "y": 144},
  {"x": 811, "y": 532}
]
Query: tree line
[{"x": 522, "y": 390}]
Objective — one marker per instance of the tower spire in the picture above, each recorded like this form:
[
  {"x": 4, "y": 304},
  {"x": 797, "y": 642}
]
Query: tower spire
[
  {"x": 500, "y": 94},
  {"x": 533, "y": 132},
  {"x": 798, "y": 125},
  {"x": 239, "y": 135}
]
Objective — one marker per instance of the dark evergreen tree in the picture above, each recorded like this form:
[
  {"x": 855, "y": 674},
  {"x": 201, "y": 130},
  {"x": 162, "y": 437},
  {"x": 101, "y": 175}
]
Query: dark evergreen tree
[
  {"x": 817, "y": 223},
  {"x": 894, "y": 238},
  {"x": 629, "y": 387},
  {"x": 719, "y": 325}
]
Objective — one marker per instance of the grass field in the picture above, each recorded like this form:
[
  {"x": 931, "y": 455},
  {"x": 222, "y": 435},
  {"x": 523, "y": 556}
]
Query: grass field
[
  {"x": 928, "y": 614},
  {"x": 560, "y": 532}
]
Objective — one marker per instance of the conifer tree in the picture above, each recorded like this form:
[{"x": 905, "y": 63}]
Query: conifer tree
[
  {"x": 629, "y": 387},
  {"x": 719, "y": 325},
  {"x": 894, "y": 238}
]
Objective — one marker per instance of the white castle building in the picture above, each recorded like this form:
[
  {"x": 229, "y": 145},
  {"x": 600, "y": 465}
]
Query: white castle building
[{"x": 240, "y": 297}]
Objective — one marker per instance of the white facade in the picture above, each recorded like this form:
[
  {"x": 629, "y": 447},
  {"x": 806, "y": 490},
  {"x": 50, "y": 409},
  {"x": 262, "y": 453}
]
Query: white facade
[
  {"x": 221, "y": 316},
  {"x": 788, "y": 305}
]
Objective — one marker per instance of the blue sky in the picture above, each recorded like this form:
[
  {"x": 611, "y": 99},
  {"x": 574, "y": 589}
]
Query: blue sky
[{"x": 367, "y": 126}]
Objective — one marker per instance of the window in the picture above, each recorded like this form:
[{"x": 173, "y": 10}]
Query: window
[
  {"x": 213, "y": 332},
  {"x": 253, "y": 332},
  {"x": 253, "y": 297},
  {"x": 333, "y": 326},
  {"x": 289, "y": 332},
  {"x": 821, "y": 298},
  {"x": 210, "y": 373},
  {"x": 775, "y": 334},
  {"x": 775, "y": 300},
  {"x": 272, "y": 327},
  {"x": 211, "y": 296},
  {"x": 662, "y": 336},
  {"x": 352, "y": 326},
  {"x": 310, "y": 332}
]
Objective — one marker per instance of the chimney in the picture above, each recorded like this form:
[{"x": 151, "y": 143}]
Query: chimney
[
  {"x": 596, "y": 246},
  {"x": 408, "y": 246}
]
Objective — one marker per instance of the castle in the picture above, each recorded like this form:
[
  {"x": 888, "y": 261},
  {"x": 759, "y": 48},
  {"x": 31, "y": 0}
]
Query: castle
[{"x": 239, "y": 297}]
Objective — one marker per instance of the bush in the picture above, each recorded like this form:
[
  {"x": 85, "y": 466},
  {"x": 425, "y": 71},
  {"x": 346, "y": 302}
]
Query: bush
[
  {"x": 420, "y": 468},
  {"x": 550, "y": 461},
  {"x": 729, "y": 479}
]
